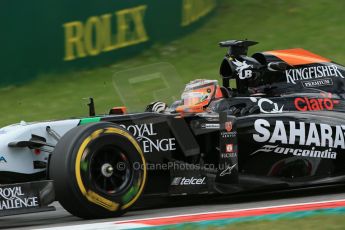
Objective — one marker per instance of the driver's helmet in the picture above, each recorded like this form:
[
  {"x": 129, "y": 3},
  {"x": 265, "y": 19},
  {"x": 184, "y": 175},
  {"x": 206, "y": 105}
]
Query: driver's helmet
[{"x": 198, "y": 94}]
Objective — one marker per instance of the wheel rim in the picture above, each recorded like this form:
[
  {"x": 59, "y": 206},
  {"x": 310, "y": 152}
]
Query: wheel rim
[{"x": 110, "y": 170}]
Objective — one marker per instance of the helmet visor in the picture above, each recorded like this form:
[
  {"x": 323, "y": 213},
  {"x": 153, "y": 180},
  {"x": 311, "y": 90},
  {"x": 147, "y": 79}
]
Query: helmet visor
[
  {"x": 194, "y": 98},
  {"x": 198, "y": 96}
]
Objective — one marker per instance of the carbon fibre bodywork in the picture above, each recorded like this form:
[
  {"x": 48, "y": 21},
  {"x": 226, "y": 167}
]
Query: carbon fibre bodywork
[{"x": 282, "y": 127}]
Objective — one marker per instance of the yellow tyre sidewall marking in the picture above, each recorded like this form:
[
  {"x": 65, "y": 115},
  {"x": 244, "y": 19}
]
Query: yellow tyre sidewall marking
[{"x": 94, "y": 197}]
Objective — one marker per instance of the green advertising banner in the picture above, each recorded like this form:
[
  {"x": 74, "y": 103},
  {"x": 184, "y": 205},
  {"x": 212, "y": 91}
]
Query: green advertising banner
[{"x": 40, "y": 36}]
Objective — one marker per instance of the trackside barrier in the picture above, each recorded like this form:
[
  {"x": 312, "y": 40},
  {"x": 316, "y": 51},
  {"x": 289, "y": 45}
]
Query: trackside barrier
[{"x": 42, "y": 36}]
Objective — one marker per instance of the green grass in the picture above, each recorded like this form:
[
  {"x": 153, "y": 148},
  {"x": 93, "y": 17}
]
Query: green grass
[
  {"x": 277, "y": 24},
  {"x": 327, "y": 222}
]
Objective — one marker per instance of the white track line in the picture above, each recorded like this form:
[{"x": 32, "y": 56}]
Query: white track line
[
  {"x": 126, "y": 224},
  {"x": 97, "y": 226}
]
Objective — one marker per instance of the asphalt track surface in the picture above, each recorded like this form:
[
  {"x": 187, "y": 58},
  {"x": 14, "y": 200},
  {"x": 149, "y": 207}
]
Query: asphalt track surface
[{"x": 177, "y": 206}]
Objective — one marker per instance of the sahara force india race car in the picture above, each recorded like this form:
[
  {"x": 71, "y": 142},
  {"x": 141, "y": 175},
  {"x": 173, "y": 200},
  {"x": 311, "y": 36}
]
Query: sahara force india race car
[{"x": 276, "y": 122}]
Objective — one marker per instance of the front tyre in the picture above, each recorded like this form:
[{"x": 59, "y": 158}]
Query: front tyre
[{"x": 98, "y": 170}]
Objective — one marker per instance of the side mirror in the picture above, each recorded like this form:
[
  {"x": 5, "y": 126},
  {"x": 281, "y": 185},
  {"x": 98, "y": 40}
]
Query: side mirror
[{"x": 91, "y": 105}]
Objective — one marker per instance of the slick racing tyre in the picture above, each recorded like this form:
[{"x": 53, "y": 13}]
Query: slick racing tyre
[{"x": 98, "y": 170}]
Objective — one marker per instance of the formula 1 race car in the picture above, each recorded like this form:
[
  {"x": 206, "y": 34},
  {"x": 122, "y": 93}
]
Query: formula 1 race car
[{"x": 276, "y": 122}]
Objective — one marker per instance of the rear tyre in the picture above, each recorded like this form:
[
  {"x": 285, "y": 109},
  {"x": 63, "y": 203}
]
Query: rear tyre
[{"x": 98, "y": 170}]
